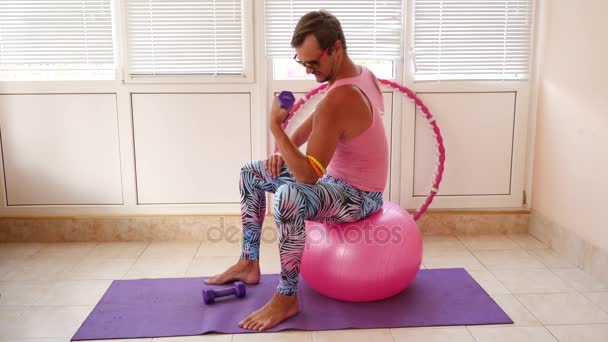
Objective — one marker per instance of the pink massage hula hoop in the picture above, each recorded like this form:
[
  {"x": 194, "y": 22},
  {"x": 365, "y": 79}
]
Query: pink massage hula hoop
[{"x": 427, "y": 115}]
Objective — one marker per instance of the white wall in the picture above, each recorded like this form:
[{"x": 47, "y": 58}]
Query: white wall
[{"x": 570, "y": 184}]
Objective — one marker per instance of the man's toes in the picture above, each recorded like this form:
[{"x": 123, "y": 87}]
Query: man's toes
[
  {"x": 265, "y": 325},
  {"x": 246, "y": 322},
  {"x": 250, "y": 325},
  {"x": 255, "y": 322},
  {"x": 218, "y": 279},
  {"x": 214, "y": 279},
  {"x": 256, "y": 325}
]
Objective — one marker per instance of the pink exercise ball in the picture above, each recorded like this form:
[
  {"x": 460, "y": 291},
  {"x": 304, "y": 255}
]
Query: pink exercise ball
[{"x": 367, "y": 260}]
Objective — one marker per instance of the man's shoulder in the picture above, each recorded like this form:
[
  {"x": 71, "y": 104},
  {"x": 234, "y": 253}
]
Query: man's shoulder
[
  {"x": 337, "y": 99},
  {"x": 342, "y": 96},
  {"x": 328, "y": 106}
]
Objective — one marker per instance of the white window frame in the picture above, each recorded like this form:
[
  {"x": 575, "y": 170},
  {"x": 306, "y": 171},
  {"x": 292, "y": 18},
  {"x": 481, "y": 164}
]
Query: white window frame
[
  {"x": 403, "y": 124},
  {"x": 269, "y": 66},
  {"x": 409, "y": 61},
  {"x": 273, "y": 86},
  {"x": 248, "y": 54},
  {"x": 522, "y": 113},
  {"x": 262, "y": 87},
  {"x": 36, "y": 85}
]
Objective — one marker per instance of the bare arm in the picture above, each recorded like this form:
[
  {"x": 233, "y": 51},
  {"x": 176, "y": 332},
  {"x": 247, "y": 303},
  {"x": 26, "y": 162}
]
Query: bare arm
[
  {"x": 298, "y": 137},
  {"x": 328, "y": 126},
  {"x": 301, "y": 134},
  {"x": 325, "y": 130}
]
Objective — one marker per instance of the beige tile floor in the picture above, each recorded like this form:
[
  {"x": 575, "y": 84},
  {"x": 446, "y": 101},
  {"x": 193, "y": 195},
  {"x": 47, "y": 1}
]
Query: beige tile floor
[{"x": 49, "y": 289}]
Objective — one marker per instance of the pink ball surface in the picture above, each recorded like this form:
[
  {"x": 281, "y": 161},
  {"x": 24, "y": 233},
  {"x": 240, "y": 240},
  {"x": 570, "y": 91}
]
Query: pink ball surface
[{"x": 367, "y": 260}]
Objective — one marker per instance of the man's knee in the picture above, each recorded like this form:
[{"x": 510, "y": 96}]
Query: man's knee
[
  {"x": 289, "y": 200},
  {"x": 252, "y": 165},
  {"x": 288, "y": 191},
  {"x": 283, "y": 193}
]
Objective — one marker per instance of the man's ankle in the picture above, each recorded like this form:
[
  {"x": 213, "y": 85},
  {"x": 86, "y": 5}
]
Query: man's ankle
[{"x": 248, "y": 262}]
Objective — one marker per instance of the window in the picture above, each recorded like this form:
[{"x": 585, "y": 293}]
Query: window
[
  {"x": 372, "y": 30},
  {"x": 56, "y": 40},
  {"x": 472, "y": 39},
  {"x": 186, "y": 37}
]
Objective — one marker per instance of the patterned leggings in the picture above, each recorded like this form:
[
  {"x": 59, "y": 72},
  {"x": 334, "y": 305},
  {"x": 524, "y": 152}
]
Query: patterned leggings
[{"x": 329, "y": 200}]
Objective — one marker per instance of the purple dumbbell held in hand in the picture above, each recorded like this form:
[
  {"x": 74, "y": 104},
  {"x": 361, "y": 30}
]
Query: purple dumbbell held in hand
[
  {"x": 238, "y": 289},
  {"x": 286, "y": 100}
]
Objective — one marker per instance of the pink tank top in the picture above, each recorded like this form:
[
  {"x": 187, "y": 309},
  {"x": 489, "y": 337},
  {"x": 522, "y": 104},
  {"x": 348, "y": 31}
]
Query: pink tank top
[{"x": 362, "y": 161}]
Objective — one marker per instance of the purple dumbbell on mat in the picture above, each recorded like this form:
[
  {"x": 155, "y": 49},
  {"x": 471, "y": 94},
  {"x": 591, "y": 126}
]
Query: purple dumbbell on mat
[
  {"x": 286, "y": 99},
  {"x": 238, "y": 289}
]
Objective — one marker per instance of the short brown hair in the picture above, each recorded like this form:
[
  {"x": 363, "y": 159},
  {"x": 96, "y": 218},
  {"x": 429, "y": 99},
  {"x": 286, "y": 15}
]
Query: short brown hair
[{"x": 324, "y": 25}]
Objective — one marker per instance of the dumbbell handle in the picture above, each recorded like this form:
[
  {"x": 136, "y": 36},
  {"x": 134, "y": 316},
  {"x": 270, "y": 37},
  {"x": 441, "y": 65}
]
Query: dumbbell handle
[{"x": 224, "y": 292}]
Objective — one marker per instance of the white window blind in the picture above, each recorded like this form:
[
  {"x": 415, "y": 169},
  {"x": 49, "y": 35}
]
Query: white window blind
[
  {"x": 372, "y": 29},
  {"x": 52, "y": 35},
  {"x": 472, "y": 39},
  {"x": 185, "y": 37}
]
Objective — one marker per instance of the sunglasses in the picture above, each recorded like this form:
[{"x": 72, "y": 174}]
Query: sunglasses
[{"x": 316, "y": 64}]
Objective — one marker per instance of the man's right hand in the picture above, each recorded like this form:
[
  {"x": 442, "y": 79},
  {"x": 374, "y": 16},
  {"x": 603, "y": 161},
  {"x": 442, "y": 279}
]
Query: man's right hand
[{"x": 273, "y": 164}]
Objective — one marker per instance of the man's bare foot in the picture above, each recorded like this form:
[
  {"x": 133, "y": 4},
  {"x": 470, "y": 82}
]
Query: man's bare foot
[
  {"x": 247, "y": 271},
  {"x": 275, "y": 311}
]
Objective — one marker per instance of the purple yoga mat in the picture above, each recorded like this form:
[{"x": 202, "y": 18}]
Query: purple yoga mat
[{"x": 173, "y": 307}]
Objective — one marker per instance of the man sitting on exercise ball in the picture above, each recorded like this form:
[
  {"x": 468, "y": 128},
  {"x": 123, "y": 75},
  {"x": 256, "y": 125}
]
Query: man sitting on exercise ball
[{"x": 345, "y": 135}]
